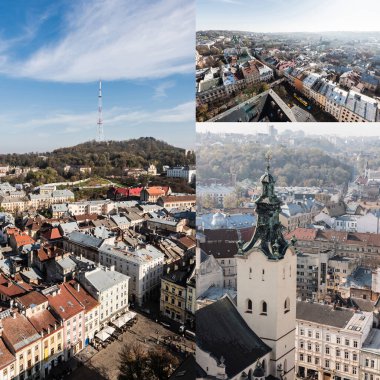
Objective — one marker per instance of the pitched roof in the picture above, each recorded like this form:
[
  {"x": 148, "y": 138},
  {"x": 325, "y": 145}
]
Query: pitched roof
[
  {"x": 221, "y": 331},
  {"x": 44, "y": 321},
  {"x": 64, "y": 303},
  {"x": 323, "y": 314},
  {"x": 9, "y": 288},
  {"x": 18, "y": 331},
  {"x": 6, "y": 356},
  {"x": 52, "y": 234},
  {"x": 81, "y": 295},
  {"x": 354, "y": 238},
  {"x": 32, "y": 299}
]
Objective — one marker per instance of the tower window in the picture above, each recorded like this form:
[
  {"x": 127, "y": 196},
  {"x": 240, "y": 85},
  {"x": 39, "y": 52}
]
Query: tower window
[
  {"x": 264, "y": 308},
  {"x": 249, "y": 306},
  {"x": 287, "y": 305}
]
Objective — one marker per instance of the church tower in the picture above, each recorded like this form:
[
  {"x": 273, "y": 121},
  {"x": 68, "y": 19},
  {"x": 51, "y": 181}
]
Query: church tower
[{"x": 266, "y": 283}]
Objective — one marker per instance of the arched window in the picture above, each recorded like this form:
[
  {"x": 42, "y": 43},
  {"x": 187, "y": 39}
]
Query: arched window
[
  {"x": 264, "y": 308},
  {"x": 249, "y": 306},
  {"x": 287, "y": 305}
]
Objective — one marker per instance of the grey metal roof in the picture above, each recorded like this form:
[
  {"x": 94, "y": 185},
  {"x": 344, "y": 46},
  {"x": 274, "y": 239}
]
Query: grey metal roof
[
  {"x": 84, "y": 239},
  {"x": 102, "y": 280},
  {"x": 323, "y": 314},
  {"x": 221, "y": 331}
]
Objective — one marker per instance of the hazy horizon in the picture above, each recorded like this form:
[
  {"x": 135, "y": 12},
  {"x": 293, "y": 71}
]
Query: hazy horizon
[
  {"x": 320, "y": 129},
  {"x": 280, "y": 15}
]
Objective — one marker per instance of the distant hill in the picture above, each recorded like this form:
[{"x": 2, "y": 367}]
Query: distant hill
[
  {"x": 292, "y": 166},
  {"x": 105, "y": 158}
]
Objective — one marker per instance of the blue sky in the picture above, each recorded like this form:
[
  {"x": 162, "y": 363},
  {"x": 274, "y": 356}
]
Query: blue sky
[
  {"x": 288, "y": 15},
  {"x": 53, "y": 53}
]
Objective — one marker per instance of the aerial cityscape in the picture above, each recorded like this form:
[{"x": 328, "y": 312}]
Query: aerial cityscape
[
  {"x": 151, "y": 232},
  {"x": 289, "y": 73},
  {"x": 288, "y": 232},
  {"x": 97, "y": 263}
]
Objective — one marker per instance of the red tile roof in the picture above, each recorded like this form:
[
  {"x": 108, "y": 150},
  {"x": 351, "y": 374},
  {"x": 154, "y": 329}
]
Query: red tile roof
[
  {"x": 45, "y": 320},
  {"x": 64, "y": 303},
  {"x": 6, "y": 357},
  {"x": 9, "y": 288},
  {"x": 22, "y": 239},
  {"x": 32, "y": 298},
  {"x": 18, "y": 331},
  {"x": 135, "y": 191},
  {"x": 52, "y": 234},
  {"x": 82, "y": 295},
  {"x": 355, "y": 238}
]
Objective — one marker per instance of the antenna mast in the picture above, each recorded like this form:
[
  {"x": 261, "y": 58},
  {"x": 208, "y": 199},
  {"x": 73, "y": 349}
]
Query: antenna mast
[{"x": 100, "y": 131}]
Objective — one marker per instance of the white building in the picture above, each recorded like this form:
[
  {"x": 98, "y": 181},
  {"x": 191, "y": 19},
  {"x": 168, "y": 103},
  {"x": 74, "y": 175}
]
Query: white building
[
  {"x": 143, "y": 264},
  {"x": 370, "y": 357},
  {"x": 110, "y": 289},
  {"x": 328, "y": 340},
  {"x": 182, "y": 172}
]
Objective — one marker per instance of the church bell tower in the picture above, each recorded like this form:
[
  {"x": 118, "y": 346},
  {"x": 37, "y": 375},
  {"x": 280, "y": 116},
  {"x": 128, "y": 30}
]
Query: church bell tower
[{"x": 266, "y": 283}]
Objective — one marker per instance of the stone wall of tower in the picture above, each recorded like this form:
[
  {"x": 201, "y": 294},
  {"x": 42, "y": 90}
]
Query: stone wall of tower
[{"x": 274, "y": 282}]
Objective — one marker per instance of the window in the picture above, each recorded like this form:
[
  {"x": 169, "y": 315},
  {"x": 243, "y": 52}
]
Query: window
[
  {"x": 347, "y": 342},
  {"x": 338, "y": 340},
  {"x": 346, "y": 368},
  {"x": 355, "y": 343},
  {"x": 317, "y": 348},
  {"x": 354, "y": 370},
  {"x": 301, "y": 344},
  {"x": 309, "y": 358},
  {"x": 354, "y": 357},
  {"x": 327, "y": 350},
  {"x": 287, "y": 305},
  {"x": 337, "y": 352},
  {"x": 317, "y": 334},
  {"x": 327, "y": 338},
  {"x": 316, "y": 361},
  {"x": 302, "y": 332},
  {"x": 301, "y": 357},
  {"x": 309, "y": 346},
  {"x": 337, "y": 366},
  {"x": 309, "y": 333},
  {"x": 264, "y": 308},
  {"x": 346, "y": 354},
  {"x": 249, "y": 306},
  {"x": 327, "y": 363}
]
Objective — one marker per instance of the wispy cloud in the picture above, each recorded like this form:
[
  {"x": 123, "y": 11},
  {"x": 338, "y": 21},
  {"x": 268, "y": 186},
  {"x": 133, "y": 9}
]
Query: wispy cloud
[
  {"x": 114, "y": 39},
  {"x": 72, "y": 123},
  {"x": 160, "y": 91}
]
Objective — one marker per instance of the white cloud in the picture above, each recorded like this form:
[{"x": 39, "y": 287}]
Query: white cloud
[
  {"x": 70, "y": 123},
  {"x": 160, "y": 90},
  {"x": 115, "y": 39}
]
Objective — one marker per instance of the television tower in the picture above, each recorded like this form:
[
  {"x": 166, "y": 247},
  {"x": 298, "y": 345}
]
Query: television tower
[{"x": 100, "y": 131}]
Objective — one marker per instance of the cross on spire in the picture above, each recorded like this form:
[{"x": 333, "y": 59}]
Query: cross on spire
[{"x": 268, "y": 158}]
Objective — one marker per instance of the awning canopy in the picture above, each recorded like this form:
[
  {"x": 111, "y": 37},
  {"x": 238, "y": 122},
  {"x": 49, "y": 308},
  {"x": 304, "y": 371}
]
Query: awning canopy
[
  {"x": 129, "y": 315},
  {"x": 109, "y": 330},
  {"x": 102, "y": 335},
  {"x": 119, "y": 322}
]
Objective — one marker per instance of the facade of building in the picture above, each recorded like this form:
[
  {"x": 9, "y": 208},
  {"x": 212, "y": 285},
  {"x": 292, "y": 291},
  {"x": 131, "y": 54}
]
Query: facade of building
[
  {"x": 110, "y": 289},
  {"x": 328, "y": 341}
]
